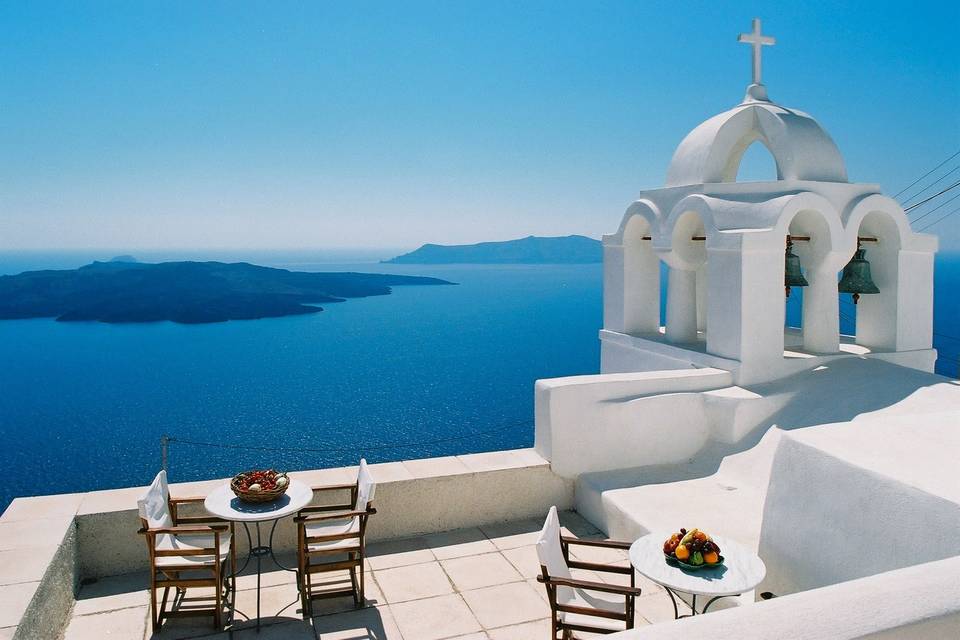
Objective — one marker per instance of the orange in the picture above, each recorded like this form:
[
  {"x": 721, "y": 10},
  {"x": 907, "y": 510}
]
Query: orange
[
  {"x": 682, "y": 552},
  {"x": 711, "y": 557}
]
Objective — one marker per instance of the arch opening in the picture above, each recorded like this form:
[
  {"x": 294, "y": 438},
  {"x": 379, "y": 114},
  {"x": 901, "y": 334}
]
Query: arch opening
[
  {"x": 874, "y": 318},
  {"x": 810, "y": 311},
  {"x": 756, "y": 163}
]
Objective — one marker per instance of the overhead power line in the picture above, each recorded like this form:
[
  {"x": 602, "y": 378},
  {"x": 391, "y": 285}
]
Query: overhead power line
[
  {"x": 942, "y": 204},
  {"x": 936, "y": 195},
  {"x": 910, "y": 186},
  {"x": 931, "y": 185},
  {"x": 938, "y": 220}
]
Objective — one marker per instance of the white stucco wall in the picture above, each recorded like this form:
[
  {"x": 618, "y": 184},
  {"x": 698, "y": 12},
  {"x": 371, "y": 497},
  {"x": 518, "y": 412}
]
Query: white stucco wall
[
  {"x": 850, "y": 500},
  {"x": 612, "y": 421}
]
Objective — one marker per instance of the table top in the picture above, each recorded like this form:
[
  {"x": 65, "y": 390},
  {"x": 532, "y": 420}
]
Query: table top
[
  {"x": 741, "y": 571},
  {"x": 224, "y": 504}
]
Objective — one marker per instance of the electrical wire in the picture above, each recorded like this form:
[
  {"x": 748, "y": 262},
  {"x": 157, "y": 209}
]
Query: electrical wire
[
  {"x": 935, "y": 182},
  {"x": 936, "y": 195},
  {"x": 908, "y": 187}
]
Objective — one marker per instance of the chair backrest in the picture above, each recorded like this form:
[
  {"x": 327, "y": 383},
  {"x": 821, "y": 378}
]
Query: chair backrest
[
  {"x": 548, "y": 547},
  {"x": 154, "y": 506},
  {"x": 365, "y": 487}
]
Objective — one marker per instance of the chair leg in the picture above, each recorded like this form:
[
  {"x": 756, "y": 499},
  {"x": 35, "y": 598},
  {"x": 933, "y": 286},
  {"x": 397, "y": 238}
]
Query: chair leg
[
  {"x": 218, "y": 597},
  {"x": 154, "y": 617},
  {"x": 363, "y": 599}
]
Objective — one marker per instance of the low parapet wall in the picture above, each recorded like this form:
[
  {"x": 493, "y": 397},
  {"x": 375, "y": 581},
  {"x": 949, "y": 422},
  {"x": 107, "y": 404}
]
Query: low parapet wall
[
  {"x": 921, "y": 602},
  {"x": 53, "y": 542},
  {"x": 622, "y": 420}
]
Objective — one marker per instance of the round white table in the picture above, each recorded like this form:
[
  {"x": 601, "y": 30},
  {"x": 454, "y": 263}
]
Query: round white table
[
  {"x": 222, "y": 503},
  {"x": 741, "y": 571}
]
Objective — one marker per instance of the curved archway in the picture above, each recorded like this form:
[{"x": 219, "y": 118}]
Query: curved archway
[
  {"x": 818, "y": 330},
  {"x": 876, "y": 314},
  {"x": 756, "y": 163}
]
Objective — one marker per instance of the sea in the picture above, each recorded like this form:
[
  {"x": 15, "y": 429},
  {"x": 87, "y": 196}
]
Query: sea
[{"x": 426, "y": 371}]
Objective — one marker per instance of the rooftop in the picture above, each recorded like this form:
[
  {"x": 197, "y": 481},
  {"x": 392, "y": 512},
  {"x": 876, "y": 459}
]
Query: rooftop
[{"x": 473, "y": 583}]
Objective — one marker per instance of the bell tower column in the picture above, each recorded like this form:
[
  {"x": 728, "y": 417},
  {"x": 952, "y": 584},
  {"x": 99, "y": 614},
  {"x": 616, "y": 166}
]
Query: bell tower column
[
  {"x": 681, "y": 305},
  {"x": 821, "y": 311},
  {"x": 745, "y": 307}
]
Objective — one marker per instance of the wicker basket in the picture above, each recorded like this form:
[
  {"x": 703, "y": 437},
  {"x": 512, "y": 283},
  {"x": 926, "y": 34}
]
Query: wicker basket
[{"x": 258, "y": 496}]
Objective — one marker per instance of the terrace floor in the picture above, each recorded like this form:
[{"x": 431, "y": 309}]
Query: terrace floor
[{"x": 471, "y": 584}]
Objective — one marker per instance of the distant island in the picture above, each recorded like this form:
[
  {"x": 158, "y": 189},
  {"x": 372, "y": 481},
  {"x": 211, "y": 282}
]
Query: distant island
[
  {"x": 529, "y": 250},
  {"x": 185, "y": 292}
]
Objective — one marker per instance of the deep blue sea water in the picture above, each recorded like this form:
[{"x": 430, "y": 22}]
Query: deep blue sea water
[{"x": 426, "y": 371}]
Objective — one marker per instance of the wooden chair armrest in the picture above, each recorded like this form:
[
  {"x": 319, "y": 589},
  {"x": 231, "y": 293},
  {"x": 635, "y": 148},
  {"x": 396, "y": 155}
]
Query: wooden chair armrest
[
  {"x": 187, "y": 500},
  {"x": 339, "y": 515},
  {"x": 334, "y": 487},
  {"x": 222, "y": 528},
  {"x": 607, "y": 544},
  {"x": 606, "y": 568},
  {"x": 573, "y": 583},
  {"x": 324, "y": 508}
]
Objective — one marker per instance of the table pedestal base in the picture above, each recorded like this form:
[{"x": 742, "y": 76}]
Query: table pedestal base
[
  {"x": 693, "y": 603},
  {"x": 258, "y": 552}
]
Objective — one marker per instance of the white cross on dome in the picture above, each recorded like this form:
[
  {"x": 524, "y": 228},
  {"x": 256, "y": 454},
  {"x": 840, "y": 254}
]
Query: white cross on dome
[{"x": 756, "y": 40}]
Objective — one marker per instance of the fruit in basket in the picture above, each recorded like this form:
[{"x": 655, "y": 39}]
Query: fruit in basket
[
  {"x": 260, "y": 485},
  {"x": 693, "y": 548},
  {"x": 671, "y": 544}
]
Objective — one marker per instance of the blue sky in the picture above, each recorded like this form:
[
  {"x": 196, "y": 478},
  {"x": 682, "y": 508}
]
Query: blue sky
[{"x": 238, "y": 125}]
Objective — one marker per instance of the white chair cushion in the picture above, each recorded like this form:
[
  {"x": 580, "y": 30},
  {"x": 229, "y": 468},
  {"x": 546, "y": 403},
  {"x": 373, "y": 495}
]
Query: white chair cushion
[
  {"x": 551, "y": 554},
  {"x": 153, "y": 506},
  {"x": 169, "y": 542},
  {"x": 593, "y": 600},
  {"x": 331, "y": 528},
  {"x": 365, "y": 487}
]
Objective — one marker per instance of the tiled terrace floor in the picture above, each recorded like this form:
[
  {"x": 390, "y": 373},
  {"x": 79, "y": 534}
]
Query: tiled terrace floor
[{"x": 470, "y": 584}]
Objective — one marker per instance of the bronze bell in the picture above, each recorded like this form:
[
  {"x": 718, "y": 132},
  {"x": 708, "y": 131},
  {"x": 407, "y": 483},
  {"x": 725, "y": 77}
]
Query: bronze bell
[
  {"x": 792, "y": 275},
  {"x": 856, "y": 276}
]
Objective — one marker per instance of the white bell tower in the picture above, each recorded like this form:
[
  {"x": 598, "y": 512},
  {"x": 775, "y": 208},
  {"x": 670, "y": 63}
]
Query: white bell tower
[{"x": 723, "y": 243}]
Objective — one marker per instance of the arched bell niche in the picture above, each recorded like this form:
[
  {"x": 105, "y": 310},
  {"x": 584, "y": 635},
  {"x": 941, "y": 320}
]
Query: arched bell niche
[
  {"x": 810, "y": 237},
  {"x": 877, "y": 315}
]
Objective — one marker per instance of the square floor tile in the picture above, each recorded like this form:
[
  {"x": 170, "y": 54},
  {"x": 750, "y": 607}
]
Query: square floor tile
[
  {"x": 506, "y": 604},
  {"x": 412, "y": 583},
  {"x": 536, "y": 630},
  {"x": 525, "y": 560},
  {"x": 115, "y": 592},
  {"x": 398, "y": 553},
  {"x": 485, "y": 570},
  {"x": 434, "y": 618},
  {"x": 508, "y": 535},
  {"x": 371, "y": 623},
  {"x": 458, "y": 543},
  {"x": 125, "y": 623}
]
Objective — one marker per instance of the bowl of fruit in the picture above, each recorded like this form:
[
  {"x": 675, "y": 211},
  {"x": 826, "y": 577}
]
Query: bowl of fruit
[
  {"x": 692, "y": 549},
  {"x": 261, "y": 485}
]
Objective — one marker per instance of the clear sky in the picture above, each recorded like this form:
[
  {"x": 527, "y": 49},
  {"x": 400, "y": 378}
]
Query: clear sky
[{"x": 354, "y": 124}]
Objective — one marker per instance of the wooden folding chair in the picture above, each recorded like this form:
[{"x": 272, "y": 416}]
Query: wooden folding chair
[
  {"x": 185, "y": 552},
  {"x": 582, "y": 605},
  {"x": 332, "y": 538}
]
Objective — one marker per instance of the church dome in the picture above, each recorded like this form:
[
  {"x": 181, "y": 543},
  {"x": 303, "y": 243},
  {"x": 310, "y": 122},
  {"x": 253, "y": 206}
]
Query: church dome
[{"x": 802, "y": 149}]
